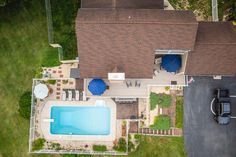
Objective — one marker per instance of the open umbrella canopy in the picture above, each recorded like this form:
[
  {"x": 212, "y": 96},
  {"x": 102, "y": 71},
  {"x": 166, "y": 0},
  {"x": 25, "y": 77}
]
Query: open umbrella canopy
[
  {"x": 171, "y": 63},
  {"x": 41, "y": 91},
  {"x": 97, "y": 86}
]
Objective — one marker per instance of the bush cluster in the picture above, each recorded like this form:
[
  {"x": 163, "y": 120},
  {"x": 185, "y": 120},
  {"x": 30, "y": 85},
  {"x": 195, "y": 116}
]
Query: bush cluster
[{"x": 25, "y": 104}]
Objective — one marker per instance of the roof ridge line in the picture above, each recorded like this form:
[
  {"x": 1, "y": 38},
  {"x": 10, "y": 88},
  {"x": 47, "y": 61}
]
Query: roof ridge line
[{"x": 170, "y": 23}]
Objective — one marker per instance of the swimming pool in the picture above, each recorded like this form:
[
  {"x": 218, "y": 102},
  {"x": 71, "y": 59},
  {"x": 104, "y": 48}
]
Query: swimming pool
[{"x": 80, "y": 120}]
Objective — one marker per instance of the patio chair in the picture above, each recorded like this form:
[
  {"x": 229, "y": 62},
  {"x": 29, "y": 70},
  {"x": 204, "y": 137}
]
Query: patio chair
[
  {"x": 63, "y": 96},
  {"x": 77, "y": 95},
  {"x": 84, "y": 97},
  {"x": 128, "y": 84},
  {"x": 137, "y": 83}
]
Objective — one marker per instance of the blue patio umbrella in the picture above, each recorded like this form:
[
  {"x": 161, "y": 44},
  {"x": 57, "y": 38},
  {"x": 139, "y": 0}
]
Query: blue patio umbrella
[
  {"x": 171, "y": 63},
  {"x": 97, "y": 86}
]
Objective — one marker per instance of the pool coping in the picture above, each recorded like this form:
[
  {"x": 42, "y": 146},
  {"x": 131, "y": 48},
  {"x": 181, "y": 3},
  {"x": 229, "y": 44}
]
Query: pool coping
[{"x": 46, "y": 114}]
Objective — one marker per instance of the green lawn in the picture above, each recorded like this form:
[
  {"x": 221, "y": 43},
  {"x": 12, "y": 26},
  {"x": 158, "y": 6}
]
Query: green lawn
[
  {"x": 23, "y": 47},
  {"x": 64, "y": 27},
  {"x": 160, "y": 147},
  {"x": 163, "y": 100},
  {"x": 161, "y": 122},
  {"x": 179, "y": 112}
]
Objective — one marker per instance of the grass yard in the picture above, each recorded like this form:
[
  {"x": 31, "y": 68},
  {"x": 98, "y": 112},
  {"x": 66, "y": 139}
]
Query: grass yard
[
  {"x": 163, "y": 100},
  {"x": 160, "y": 147},
  {"x": 161, "y": 122},
  {"x": 64, "y": 27},
  {"x": 24, "y": 47},
  {"x": 179, "y": 112}
]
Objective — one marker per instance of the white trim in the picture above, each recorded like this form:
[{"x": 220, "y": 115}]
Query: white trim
[{"x": 169, "y": 51}]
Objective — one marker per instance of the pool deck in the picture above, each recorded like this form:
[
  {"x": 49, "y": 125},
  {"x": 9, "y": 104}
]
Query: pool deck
[{"x": 45, "y": 126}]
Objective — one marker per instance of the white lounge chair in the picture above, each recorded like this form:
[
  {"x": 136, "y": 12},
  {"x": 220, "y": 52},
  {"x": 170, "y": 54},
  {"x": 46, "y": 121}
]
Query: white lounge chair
[
  {"x": 84, "y": 97},
  {"x": 70, "y": 95},
  {"x": 63, "y": 97},
  {"x": 76, "y": 95}
]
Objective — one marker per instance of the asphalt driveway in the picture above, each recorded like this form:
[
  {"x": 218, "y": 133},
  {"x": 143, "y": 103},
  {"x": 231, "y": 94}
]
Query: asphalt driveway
[{"x": 203, "y": 136}]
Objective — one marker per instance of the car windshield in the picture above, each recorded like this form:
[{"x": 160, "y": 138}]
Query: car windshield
[{"x": 225, "y": 108}]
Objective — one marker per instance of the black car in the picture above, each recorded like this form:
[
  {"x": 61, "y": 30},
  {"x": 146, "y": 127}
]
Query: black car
[{"x": 221, "y": 106}]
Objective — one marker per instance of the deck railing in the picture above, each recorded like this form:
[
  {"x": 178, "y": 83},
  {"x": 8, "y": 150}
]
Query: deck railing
[{"x": 32, "y": 118}]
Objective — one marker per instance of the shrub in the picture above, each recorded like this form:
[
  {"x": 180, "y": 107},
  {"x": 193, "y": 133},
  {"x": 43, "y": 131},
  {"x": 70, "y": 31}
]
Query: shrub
[
  {"x": 137, "y": 137},
  {"x": 101, "y": 148},
  {"x": 179, "y": 112},
  {"x": 121, "y": 146},
  {"x": 161, "y": 122},
  {"x": 38, "y": 73},
  {"x": 65, "y": 81},
  {"x": 38, "y": 144},
  {"x": 167, "y": 88},
  {"x": 153, "y": 100},
  {"x": 51, "y": 82},
  {"x": 24, "y": 105},
  {"x": 55, "y": 146}
]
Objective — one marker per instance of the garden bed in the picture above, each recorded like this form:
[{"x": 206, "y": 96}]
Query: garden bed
[
  {"x": 163, "y": 100},
  {"x": 179, "y": 112}
]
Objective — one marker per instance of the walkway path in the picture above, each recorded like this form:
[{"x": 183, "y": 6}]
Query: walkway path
[{"x": 171, "y": 132}]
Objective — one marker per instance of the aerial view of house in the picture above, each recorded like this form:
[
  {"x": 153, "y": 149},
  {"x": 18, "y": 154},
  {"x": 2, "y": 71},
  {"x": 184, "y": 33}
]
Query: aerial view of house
[{"x": 143, "y": 69}]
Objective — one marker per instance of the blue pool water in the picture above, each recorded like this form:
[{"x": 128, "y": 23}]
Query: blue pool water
[{"x": 79, "y": 120}]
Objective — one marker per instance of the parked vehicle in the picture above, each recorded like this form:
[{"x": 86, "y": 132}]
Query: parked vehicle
[{"x": 221, "y": 106}]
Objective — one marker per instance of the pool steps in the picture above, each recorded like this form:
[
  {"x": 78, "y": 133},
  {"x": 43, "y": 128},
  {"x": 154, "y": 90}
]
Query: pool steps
[
  {"x": 48, "y": 120},
  {"x": 100, "y": 103}
]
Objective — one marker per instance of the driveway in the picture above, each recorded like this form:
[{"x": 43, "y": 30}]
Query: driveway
[{"x": 203, "y": 136}]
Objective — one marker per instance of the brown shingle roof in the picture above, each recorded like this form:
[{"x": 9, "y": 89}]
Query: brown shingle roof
[
  {"x": 138, "y": 4},
  {"x": 215, "y": 50},
  {"x": 216, "y": 32},
  {"x": 127, "y": 39},
  {"x": 135, "y": 16}
]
